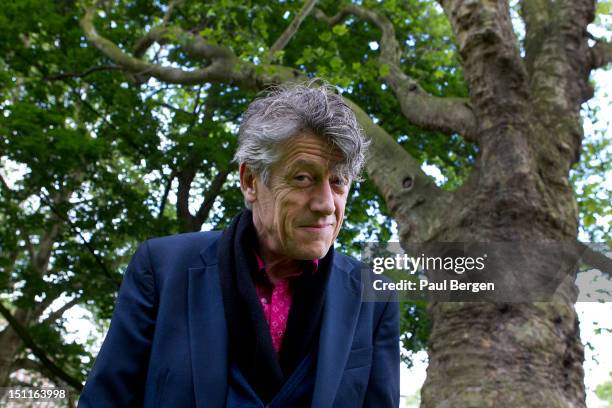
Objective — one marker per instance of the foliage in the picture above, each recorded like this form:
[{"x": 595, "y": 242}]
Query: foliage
[
  {"x": 604, "y": 392},
  {"x": 588, "y": 179}
]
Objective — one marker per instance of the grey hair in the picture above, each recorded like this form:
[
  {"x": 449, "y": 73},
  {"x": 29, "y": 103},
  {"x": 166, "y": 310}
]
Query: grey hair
[{"x": 284, "y": 112}]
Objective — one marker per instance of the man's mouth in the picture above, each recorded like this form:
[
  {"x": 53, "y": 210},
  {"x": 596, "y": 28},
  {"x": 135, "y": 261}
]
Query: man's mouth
[{"x": 316, "y": 227}]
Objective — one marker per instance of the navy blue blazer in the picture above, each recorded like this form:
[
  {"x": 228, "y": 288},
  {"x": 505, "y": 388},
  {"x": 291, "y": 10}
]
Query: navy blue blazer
[{"x": 168, "y": 344}]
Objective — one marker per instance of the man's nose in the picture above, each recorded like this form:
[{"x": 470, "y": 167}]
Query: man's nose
[{"x": 323, "y": 200}]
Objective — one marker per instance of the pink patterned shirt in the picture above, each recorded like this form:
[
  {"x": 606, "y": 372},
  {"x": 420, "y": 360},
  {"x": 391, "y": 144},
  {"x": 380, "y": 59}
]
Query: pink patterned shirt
[{"x": 276, "y": 301}]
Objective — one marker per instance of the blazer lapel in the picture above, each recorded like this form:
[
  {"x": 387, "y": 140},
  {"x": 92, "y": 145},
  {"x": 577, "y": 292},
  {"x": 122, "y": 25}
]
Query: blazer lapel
[
  {"x": 342, "y": 304},
  {"x": 207, "y": 332}
]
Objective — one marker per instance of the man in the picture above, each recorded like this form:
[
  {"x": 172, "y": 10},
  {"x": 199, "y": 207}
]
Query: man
[{"x": 265, "y": 313}]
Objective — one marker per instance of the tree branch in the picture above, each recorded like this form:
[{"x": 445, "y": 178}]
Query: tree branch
[
  {"x": 293, "y": 27},
  {"x": 409, "y": 193},
  {"x": 557, "y": 55},
  {"x": 145, "y": 42},
  {"x": 164, "y": 199},
  {"x": 390, "y": 49},
  {"x": 493, "y": 68},
  {"x": 175, "y": 109},
  {"x": 214, "y": 72},
  {"x": 558, "y": 62},
  {"x": 224, "y": 65},
  {"x": 211, "y": 194},
  {"x": 67, "y": 75},
  {"x": 29, "y": 247},
  {"x": 27, "y": 364},
  {"x": 45, "y": 360},
  {"x": 194, "y": 45},
  {"x": 601, "y": 54},
  {"x": 594, "y": 258},
  {"x": 53, "y": 316},
  {"x": 5, "y": 186},
  {"x": 40, "y": 261},
  {"x": 185, "y": 178},
  {"x": 171, "y": 6},
  {"x": 76, "y": 230},
  {"x": 45, "y": 247},
  {"x": 50, "y": 296},
  {"x": 446, "y": 115}
]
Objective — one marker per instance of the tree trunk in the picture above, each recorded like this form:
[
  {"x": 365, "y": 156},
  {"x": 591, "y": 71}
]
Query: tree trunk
[
  {"x": 505, "y": 354},
  {"x": 515, "y": 354},
  {"x": 10, "y": 344}
]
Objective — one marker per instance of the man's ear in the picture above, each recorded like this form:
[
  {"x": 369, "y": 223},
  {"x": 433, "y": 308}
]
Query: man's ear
[{"x": 248, "y": 183}]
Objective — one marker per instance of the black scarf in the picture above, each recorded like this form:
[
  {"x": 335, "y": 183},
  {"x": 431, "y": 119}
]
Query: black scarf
[{"x": 249, "y": 336}]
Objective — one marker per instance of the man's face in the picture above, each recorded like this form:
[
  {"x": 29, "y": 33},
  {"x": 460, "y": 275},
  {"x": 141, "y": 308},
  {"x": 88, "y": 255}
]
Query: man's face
[{"x": 299, "y": 213}]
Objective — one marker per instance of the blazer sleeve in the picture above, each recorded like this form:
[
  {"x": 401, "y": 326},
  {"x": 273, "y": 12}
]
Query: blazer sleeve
[
  {"x": 383, "y": 385},
  {"x": 119, "y": 372}
]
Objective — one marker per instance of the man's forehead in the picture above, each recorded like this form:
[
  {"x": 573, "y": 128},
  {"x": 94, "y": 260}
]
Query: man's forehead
[
  {"x": 316, "y": 163},
  {"x": 308, "y": 149}
]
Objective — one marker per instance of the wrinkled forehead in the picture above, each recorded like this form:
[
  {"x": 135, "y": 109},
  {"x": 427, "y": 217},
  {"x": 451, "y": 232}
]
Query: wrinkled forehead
[{"x": 310, "y": 150}]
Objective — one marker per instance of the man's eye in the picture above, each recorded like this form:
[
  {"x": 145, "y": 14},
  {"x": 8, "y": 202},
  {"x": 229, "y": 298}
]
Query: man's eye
[
  {"x": 301, "y": 178},
  {"x": 339, "y": 181}
]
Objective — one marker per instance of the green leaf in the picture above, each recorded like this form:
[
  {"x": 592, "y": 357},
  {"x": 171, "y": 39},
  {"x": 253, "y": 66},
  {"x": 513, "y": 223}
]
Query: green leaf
[
  {"x": 336, "y": 63},
  {"x": 383, "y": 70},
  {"x": 340, "y": 29},
  {"x": 325, "y": 36},
  {"x": 207, "y": 32}
]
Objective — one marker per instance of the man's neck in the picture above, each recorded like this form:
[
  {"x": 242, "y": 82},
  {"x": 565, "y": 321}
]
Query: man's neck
[{"x": 278, "y": 267}]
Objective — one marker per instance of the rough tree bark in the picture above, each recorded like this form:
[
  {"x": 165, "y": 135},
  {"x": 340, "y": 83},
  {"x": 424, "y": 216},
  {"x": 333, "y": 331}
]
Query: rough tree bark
[{"x": 523, "y": 112}]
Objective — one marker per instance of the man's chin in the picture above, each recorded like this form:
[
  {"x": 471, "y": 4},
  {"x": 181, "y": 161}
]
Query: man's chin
[{"x": 312, "y": 253}]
